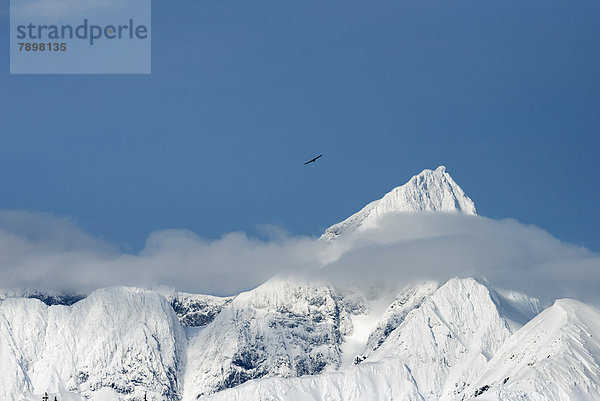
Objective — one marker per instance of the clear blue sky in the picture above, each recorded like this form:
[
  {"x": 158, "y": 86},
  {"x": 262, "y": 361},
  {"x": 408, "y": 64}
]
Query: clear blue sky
[{"x": 506, "y": 94}]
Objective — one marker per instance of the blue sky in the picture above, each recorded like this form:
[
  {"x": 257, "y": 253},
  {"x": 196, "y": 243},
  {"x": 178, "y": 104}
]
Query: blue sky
[{"x": 506, "y": 94}]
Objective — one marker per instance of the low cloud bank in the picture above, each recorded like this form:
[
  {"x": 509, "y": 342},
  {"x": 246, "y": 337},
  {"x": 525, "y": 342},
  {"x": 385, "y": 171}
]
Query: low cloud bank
[
  {"x": 46, "y": 252},
  {"x": 440, "y": 246}
]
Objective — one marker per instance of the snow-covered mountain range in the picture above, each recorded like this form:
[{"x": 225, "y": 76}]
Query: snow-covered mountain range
[{"x": 303, "y": 338}]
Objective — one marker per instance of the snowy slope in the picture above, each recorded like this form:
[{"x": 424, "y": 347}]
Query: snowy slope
[
  {"x": 556, "y": 356},
  {"x": 408, "y": 299},
  {"x": 429, "y": 191},
  {"x": 127, "y": 339},
  {"x": 448, "y": 339},
  {"x": 384, "y": 381}
]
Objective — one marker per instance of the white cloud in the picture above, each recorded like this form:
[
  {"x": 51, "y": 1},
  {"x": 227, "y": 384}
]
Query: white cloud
[
  {"x": 439, "y": 246},
  {"x": 46, "y": 252}
]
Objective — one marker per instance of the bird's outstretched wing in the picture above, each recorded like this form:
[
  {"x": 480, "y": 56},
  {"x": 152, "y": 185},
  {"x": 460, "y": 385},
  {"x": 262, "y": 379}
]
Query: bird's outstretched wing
[{"x": 313, "y": 160}]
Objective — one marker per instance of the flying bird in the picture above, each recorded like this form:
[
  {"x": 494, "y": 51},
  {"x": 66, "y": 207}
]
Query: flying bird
[{"x": 313, "y": 160}]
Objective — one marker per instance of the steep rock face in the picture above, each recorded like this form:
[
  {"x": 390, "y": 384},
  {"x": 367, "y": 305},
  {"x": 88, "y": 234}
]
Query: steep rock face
[
  {"x": 127, "y": 339},
  {"x": 282, "y": 328},
  {"x": 196, "y": 310},
  {"x": 556, "y": 356},
  {"x": 429, "y": 191}
]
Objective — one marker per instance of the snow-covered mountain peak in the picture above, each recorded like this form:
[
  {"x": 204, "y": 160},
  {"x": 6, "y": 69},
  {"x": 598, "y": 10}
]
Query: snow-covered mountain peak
[
  {"x": 428, "y": 191},
  {"x": 555, "y": 356},
  {"x": 282, "y": 328}
]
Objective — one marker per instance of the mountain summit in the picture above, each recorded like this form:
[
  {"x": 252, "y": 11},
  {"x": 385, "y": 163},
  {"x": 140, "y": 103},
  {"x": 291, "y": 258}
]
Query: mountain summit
[{"x": 428, "y": 191}]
